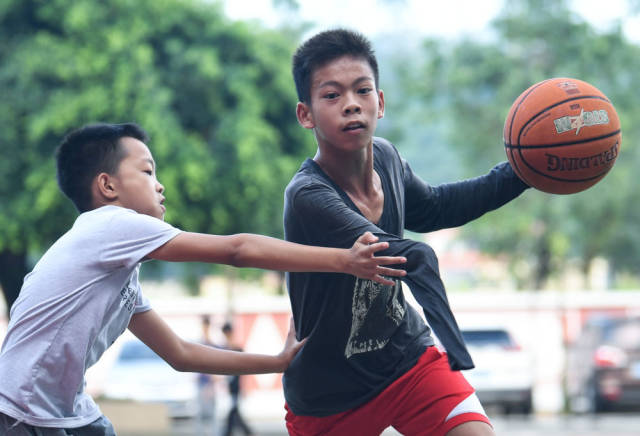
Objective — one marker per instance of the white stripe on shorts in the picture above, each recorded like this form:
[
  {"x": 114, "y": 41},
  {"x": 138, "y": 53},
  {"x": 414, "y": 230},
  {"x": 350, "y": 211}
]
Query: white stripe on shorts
[{"x": 471, "y": 404}]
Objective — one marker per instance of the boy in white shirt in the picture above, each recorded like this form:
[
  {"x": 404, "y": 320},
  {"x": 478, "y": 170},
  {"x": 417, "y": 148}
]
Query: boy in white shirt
[{"x": 84, "y": 291}]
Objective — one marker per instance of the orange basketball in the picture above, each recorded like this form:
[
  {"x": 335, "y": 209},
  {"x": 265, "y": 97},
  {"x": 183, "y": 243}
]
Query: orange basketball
[{"x": 562, "y": 136}]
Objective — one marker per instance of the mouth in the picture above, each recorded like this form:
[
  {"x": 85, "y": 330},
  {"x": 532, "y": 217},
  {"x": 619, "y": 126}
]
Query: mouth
[{"x": 354, "y": 125}]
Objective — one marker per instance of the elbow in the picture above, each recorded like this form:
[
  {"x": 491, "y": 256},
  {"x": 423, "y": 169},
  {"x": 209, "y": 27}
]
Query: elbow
[
  {"x": 179, "y": 360},
  {"x": 421, "y": 254},
  {"x": 178, "y": 364},
  {"x": 241, "y": 248}
]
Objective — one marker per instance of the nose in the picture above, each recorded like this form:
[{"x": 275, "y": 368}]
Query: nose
[
  {"x": 352, "y": 110},
  {"x": 159, "y": 187},
  {"x": 351, "y": 106}
]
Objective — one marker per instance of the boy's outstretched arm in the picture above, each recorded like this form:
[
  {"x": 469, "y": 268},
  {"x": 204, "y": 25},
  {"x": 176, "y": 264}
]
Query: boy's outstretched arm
[
  {"x": 257, "y": 251},
  {"x": 188, "y": 356}
]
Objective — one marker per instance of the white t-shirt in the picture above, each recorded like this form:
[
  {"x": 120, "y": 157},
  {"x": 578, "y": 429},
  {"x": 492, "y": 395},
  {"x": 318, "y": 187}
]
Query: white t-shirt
[{"x": 74, "y": 304}]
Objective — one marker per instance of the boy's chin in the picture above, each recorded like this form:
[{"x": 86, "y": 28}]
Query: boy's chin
[{"x": 153, "y": 213}]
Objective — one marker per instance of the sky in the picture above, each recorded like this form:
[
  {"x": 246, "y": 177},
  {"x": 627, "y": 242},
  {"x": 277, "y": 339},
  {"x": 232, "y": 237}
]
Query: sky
[{"x": 446, "y": 19}]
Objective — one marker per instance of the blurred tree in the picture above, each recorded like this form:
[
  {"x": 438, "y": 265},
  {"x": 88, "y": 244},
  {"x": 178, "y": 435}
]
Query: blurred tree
[
  {"x": 214, "y": 95},
  {"x": 467, "y": 87}
]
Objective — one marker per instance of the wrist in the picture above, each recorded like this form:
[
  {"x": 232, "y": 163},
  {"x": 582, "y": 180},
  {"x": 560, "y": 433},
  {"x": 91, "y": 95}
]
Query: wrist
[
  {"x": 344, "y": 262},
  {"x": 281, "y": 362}
]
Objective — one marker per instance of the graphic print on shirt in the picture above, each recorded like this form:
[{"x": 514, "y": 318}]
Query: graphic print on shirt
[
  {"x": 376, "y": 312},
  {"x": 128, "y": 295}
]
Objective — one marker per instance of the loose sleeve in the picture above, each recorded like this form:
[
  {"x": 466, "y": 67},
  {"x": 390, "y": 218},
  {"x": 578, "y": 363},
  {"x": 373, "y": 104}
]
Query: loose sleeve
[
  {"x": 429, "y": 208},
  {"x": 142, "y": 303}
]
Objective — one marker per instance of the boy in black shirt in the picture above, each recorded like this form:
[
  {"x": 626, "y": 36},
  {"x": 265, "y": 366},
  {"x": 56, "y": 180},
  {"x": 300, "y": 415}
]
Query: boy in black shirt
[{"x": 370, "y": 360}]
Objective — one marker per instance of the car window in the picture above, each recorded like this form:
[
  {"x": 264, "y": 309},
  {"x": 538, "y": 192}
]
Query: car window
[{"x": 482, "y": 338}]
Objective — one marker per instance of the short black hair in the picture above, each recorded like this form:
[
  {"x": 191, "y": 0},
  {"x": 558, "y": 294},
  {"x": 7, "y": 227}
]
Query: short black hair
[
  {"x": 88, "y": 151},
  {"x": 324, "y": 47}
]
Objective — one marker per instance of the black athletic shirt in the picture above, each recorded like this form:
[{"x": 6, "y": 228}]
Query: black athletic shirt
[{"x": 363, "y": 335}]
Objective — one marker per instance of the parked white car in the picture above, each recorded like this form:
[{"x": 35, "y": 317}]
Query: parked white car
[
  {"x": 503, "y": 375},
  {"x": 139, "y": 374}
]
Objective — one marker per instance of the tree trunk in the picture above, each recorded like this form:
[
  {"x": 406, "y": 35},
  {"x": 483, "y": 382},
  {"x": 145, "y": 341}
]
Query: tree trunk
[
  {"x": 282, "y": 283},
  {"x": 13, "y": 268},
  {"x": 543, "y": 267}
]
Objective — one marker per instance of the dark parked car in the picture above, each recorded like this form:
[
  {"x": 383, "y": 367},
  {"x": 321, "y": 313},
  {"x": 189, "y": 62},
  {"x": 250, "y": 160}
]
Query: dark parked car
[{"x": 603, "y": 366}]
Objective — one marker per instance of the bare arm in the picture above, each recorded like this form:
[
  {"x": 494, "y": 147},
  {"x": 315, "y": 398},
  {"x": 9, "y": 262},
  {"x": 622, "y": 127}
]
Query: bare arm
[
  {"x": 249, "y": 250},
  {"x": 188, "y": 356}
]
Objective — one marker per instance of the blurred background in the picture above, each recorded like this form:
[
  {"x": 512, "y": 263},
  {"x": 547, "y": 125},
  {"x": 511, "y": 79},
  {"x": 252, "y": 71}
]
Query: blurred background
[{"x": 547, "y": 289}]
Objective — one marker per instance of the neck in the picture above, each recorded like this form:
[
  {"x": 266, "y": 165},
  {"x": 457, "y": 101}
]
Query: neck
[{"x": 351, "y": 170}]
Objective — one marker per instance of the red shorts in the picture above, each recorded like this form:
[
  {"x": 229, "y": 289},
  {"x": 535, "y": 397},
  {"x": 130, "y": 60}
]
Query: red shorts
[{"x": 416, "y": 404}]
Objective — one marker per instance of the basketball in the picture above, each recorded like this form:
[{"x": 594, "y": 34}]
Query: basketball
[{"x": 562, "y": 136}]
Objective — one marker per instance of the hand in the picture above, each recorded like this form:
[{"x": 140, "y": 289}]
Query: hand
[
  {"x": 291, "y": 346},
  {"x": 365, "y": 265}
]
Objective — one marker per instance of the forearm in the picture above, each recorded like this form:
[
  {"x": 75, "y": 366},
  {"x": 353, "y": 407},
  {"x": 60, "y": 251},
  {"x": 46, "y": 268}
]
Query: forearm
[
  {"x": 424, "y": 281},
  {"x": 188, "y": 356},
  {"x": 455, "y": 204},
  {"x": 209, "y": 360},
  {"x": 269, "y": 253},
  {"x": 257, "y": 251}
]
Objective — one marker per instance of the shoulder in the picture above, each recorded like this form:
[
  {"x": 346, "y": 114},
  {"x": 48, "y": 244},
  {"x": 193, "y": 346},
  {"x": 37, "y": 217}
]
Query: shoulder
[
  {"x": 310, "y": 194},
  {"x": 309, "y": 178},
  {"x": 387, "y": 159},
  {"x": 106, "y": 214},
  {"x": 385, "y": 152},
  {"x": 116, "y": 222},
  {"x": 384, "y": 146},
  {"x": 117, "y": 213}
]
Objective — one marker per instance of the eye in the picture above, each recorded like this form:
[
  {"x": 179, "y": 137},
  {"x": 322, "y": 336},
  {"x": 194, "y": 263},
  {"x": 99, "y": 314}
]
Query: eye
[
  {"x": 365, "y": 90},
  {"x": 331, "y": 95},
  {"x": 150, "y": 172}
]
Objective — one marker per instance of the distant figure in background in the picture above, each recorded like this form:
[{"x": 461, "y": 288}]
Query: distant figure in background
[
  {"x": 234, "y": 419},
  {"x": 206, "y": 386}
]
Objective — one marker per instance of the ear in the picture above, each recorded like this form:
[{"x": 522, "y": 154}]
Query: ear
[
  {"x": 305, "y": 118},
  {"x": 380, "y": 104},
  {"x": 105, "y": 187}
]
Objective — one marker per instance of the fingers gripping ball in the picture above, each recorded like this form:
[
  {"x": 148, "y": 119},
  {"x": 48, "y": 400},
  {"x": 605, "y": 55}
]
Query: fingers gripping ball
[{"x": 562, "y": 136}]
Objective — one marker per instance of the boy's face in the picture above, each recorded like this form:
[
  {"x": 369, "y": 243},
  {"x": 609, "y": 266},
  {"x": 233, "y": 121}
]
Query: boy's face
[
  {"x": 135, "y": 182},
  {"x": 345, "y": 105}
]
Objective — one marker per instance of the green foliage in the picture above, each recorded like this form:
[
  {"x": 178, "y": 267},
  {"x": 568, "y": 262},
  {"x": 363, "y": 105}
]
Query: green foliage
[
  {"x": 468, "y": 87},
  {"x": 215, "y": 96}
]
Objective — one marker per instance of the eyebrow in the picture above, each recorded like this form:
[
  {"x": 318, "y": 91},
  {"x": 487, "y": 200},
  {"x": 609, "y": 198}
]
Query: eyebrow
[
  {"x": 338, "y": 84},
  {"x": 153, "y": 164}
]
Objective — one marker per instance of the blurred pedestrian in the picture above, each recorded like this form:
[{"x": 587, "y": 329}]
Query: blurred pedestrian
[
  {"x": 235, "y": 418},
  {"x": 206, "y": 387}
]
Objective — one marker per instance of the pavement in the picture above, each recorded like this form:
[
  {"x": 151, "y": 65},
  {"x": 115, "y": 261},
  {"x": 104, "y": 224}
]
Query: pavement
[{"x": 267, "y": 419}]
